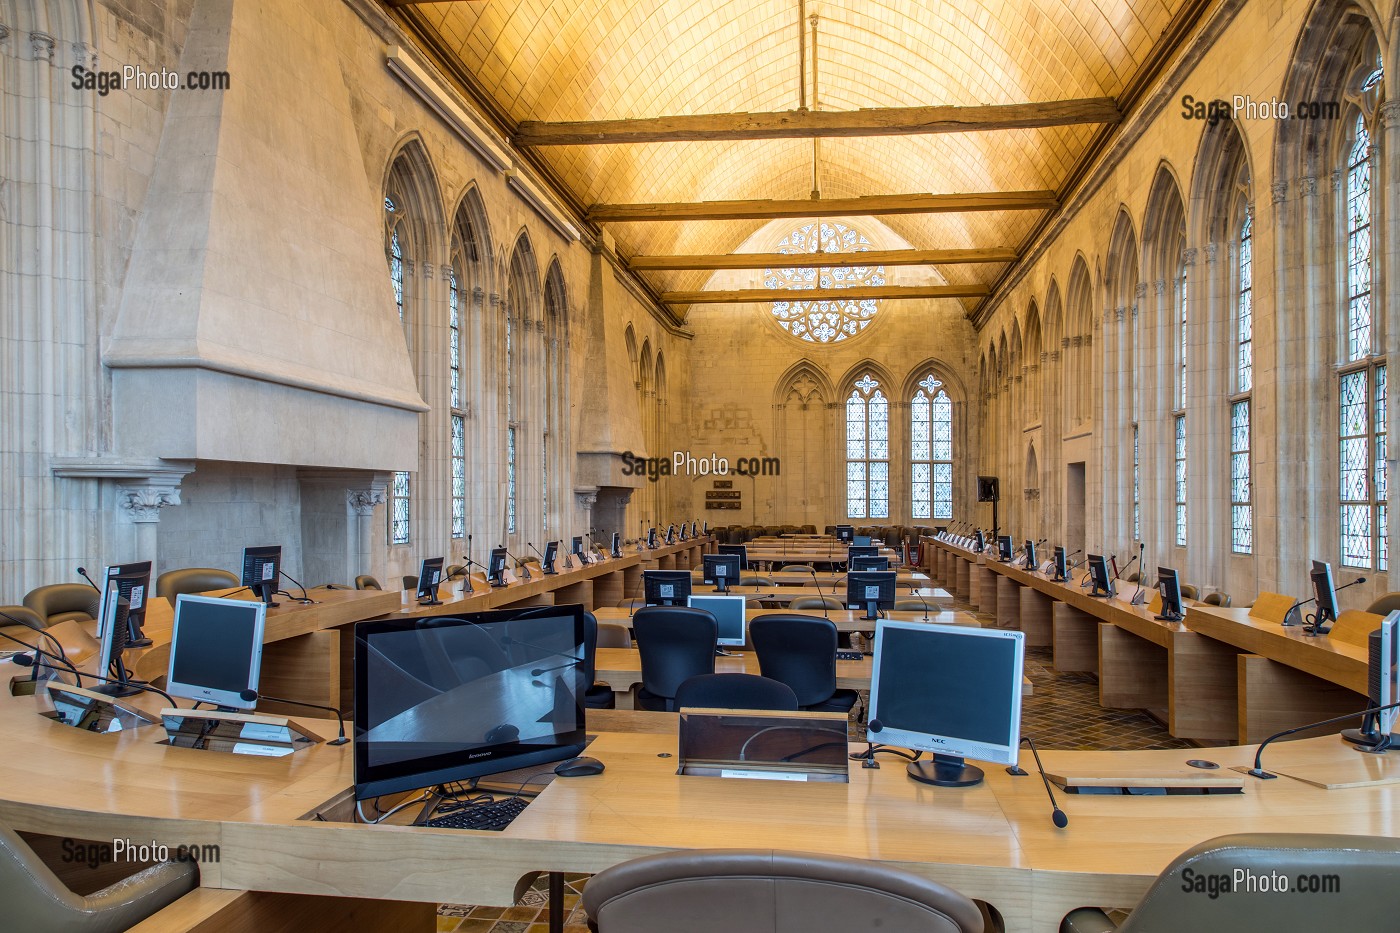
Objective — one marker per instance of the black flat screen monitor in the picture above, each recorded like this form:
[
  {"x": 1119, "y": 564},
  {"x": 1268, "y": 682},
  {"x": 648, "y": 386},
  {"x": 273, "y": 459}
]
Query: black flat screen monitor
[
  {"x": 671, "y": 534},
  {"x": 1030, "y": 555},
  {"x": 1004, "y": 548},
  {"x": 429, "y": 579},
  {"x": 978, "y": 541},
  {"x": 665, "y": 587},
  {"x": 576, "y": 548},
  {"x": 845, "y": 533},
  {"x": 616, "y": 544},
  {"x": 861, "y": 540},
  {"x": 1061, "y": 565},
  {"x": 1169, "y": 585},
  {"x": 1326, "y": 593},
  {"x": 1098, "y": 576},
  {"x": 216, "y": 651},
  {"x": 721, "y": 570},
  {"x": 870, "y": 562},
  {"x": 261, "y": 568},
  {"x": 551, "y": 554},
  {"x": 651, "y": 539},
  {"x": 739, "y": 551},
  {"x": 452, "y": 697},
  {"x": 862, "y": 550},
  {"x": 685, "y": 531},
  {"x": 694, "y": 529},
  {"x": 126, "y": 589},
  {"x": 496, "y": 567},
  {"x": 871, "y": 590}
]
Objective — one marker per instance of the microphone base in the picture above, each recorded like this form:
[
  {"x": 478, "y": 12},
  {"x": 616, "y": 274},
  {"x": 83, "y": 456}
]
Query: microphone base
[
  {"x": 1261, "y": 774},
  {"x": 116, "y": 690},
  {"x": 430, "y": 602},
  {"x": 340, "y": 741},
  {"x": 945, "y": 771}
]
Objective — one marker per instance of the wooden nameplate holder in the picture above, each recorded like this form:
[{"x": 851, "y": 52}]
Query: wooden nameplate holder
[
  {"x": 235, "y": 733},
  {"x": 1130, "y": 781}
]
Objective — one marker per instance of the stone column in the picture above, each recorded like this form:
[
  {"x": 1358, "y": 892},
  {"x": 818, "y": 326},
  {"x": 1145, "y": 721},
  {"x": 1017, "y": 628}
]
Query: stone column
[{"x": 361, "y": 502}]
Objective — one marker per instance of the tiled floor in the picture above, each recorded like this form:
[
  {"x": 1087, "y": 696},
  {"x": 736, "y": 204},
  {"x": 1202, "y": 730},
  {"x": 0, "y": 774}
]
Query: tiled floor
[{"x": 1063, "y": 712}]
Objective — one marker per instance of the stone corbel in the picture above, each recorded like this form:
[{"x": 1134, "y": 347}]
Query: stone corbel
[
  {"x": 143, "y": 487},
  {"x": 364, "y": 501}
]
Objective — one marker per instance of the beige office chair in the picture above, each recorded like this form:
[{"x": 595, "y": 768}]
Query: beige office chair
[
  {"x": 1385, "y": 604},
  {"x": 1189, "y": 592},
  {"x": 1364, "y": 864},
  {"x": 59, "y": 602},
  {"x": 755, "y": 581},
  {"x": 1218, "y": 599},
  {"x": 796, "y": 568},
  {"x": 21, "y": 615},
  {"x": 763, "y": 891},
  {"x": 365, "y": 582},
  {"x": 912, "y": 604},
  {"x": 193, "y": 580},
  {"x": 815, "y": 602},
  {"x": 614, "y": 635},
  {"x": 35, "y": 899}
]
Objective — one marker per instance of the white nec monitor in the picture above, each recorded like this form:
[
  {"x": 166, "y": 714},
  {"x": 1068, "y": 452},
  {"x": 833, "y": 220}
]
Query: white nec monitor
[
  {"x": 729, "y": 613},
  {"x": 951, "y": 690},
  {"x": 216, "y": 650}
]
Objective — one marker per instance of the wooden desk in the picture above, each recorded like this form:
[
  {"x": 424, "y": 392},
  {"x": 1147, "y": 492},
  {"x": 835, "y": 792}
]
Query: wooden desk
[
  {"x": 847, "y": 620},
  {"x": 994, "y": 841},
  {"x": 827, "y": 579},
  {"x": 621, "y": 668}
]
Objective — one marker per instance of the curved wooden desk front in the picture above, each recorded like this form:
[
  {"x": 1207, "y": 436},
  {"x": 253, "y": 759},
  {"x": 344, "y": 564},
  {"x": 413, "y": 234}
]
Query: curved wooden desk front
[{"x": 994, "y": 841}]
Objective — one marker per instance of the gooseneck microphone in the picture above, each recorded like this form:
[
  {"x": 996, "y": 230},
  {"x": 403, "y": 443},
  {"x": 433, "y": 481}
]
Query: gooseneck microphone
[
  {"x": 820, "y": 594},
  {"x": 252, "y": 696},
  {"x": 519, "y": 564},
  {"x": 1138, "y": 599},
  {"x": 1258, "y": 770},
  {"x": 1057, "y": 816},
  {"x": 84, "y": 574},
  {"x": 24, "y": 660},
  {"x": 914, "y": 591},
  {"x": 1118, "y": 575},
  {"x": 58, "y": 645},
  {"x": 540, "y": 556},
  {"x": 1294, "y": 615},
  {"x": 305, "y": 600}
]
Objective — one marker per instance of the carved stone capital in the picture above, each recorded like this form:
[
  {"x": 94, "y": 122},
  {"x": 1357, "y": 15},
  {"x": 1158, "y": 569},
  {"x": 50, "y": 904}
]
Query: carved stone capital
[
  {"x": 1390, "y": 113},
  {"x": 496, "y": 301},
  {"x": 622, "y": 500},
  {"x": 1054, "y": 356},
  {"x": 1188, "y": 256},
  {"x": 1077, "y": 340},
  {"x": 1032, "y": 494},
  {"x": 1140, "y": 290},
  {"x": 4, "y": 32},
  {"x": 1212, "y": 250},
  {"x": 1160, "y": 287},
  {"x": 429, "y": 271},
  {"x": 478, "y": 295},
  {"x": 1278, "y": 191},
  {"x": 1064, "y": 343},
  {"x": 41, "y": 45},
  {"x": 142, "y": 502},
  {"x": 586, "y": 500},
  {"x": 1337, "y": 180},
  {"x": 363, "y": 501},
  {"x": 1119, "y": 314}
]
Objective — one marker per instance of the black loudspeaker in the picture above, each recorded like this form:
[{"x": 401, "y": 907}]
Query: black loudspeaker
[{"x": 987, "y": 489}]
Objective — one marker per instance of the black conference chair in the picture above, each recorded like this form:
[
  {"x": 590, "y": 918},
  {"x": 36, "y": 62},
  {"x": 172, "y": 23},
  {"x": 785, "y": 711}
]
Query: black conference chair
[
  {"x": 675, "y": 643},
  {"x": 734, "y": 691},
  {"x": 800, "y": 651},
  {"x": 595, "y": 695},
  {"x": 759, "y": 891}
]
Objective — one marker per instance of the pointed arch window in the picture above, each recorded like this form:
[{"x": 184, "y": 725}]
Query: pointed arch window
[
  {"x": 1241, "y": 467},
  {"x": 400, "y": 500},
  {"x": 510, "y": 421},
  {"x": 867, "y": 451},
  {"x": 931, "y": 450}
]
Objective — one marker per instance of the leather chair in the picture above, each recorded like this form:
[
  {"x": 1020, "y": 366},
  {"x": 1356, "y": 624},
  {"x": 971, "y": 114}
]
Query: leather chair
[
  {"x": 595, "y": 695},
  {"x": 675, "y": 644},
  {"x": 21, "y": 615},
  {"x": 35, "y": 899},
  {"x": 765, "y": 891},
  {"x": 815, "y": 602},
  {"x": 800, "y": 651},
  {"x": 755, "y": 581},
  {"x": 796, "y": 568},
  {"x": 1384, "y": 605},
  {"x": 614, "y": 635},
  {"x": 1189, "y": 592},
  {"x": 59, "y": 602},
  {"x": 1223, "y": 601},
  {"x": 410, "y": 582},
  {"x": 1364, "y": 864},
  {"x": 734, "y": 691},
  {"x": 912, "y": 604},
  {"x": 365, "y": 582},
  {"x": 808, "y": 530},
  {"x": 194, "y": 580},
  {"x": 1133, "y": 577}
]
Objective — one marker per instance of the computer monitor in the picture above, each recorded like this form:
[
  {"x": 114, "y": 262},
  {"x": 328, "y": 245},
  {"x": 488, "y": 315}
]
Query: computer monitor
[
  {"x": 1098, "y": 576},
  {"x": 1326, "y": 594},
  {"x": 551, "y": 554},
  {"x": 665, "y": 587},
  {"x": 1169, "y": 585},
  {"x": 496, "y": 567},
  {"x": 216, "y": 650},
  {"x": 261, "y": 568},
  {"x": 738, "y": 550},
  {"x": 707, "y": 528},
  {"x": 452, "y": 697},
  {"x": 870, "y": 562},
  {"x": 978, "y": 541},
  {"x": 616, "y": 544},
  {"x": 871, "y": 590},
  {"x": 694, "y": 529},
  {"x": 845, "y": 533},
  {"x": 671, "y": 534},
  {"x": 729, "y": 613},
  {"x": 1061, "y": 565},
  {"x": 429, "y": 578},
  {"x": 1382, "y": 688},
  {"x": 1004, "y": 548},
  {"x": 863, "y": 550},
  {"x": 951, "y": 690},
  {"x": 722, "y": 570},
  {"x": 1030, "y": 555},
  {"x": 576, "y": 548},
  {"x": 684, "y": 531},
  {"x": 120, "y": 617},
  {"x": 651, "y": 539},
  {"x": 861, "y": 540}
]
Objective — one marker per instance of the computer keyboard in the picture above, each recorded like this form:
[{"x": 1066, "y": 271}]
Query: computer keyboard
[
  {"x": 495, "y": 815},
  {"x": 849, "y": 655}
]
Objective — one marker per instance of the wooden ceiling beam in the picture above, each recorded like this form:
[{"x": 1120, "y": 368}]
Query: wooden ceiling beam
[
  {"x": 825, "y": 207},
  {"x": 806, "y": 124},
  {"x": 873, "y": 257},
  {"x": 855, "y": 293}
]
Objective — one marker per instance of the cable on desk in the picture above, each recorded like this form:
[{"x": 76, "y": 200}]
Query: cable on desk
[{"x": 382, "y": 816}]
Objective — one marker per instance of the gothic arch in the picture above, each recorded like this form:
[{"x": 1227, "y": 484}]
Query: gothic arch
[{"x": 803, "y": 382}]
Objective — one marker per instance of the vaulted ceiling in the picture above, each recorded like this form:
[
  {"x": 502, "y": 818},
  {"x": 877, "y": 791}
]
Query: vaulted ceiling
[{"x": 584, "y": 60}]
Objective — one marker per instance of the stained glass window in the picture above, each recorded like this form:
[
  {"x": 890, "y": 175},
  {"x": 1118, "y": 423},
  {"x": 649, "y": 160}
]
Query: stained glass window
[
  {"x": 399, "y": 513},
  {"x": 1358, "y": 195},
  {"x": 931, "y": 450},
  {"x": 1180, "y": 480},
  {"x": 1363, "y": 470},
  {"x": 826, "y": 321},
  {"x": 1244, "y": 311},
  {"x": 1181, "y": 326},
  {"x": 459, "y": 476},
  {"x": 867, "y": 451},
  {"x": 1241, "y": 493},
  {"x": 1137, "y": 488},
  {"x": 392, "y": 216},
  {"x": 510, "y": 421},
  {"x": 510, "y": 480}
]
